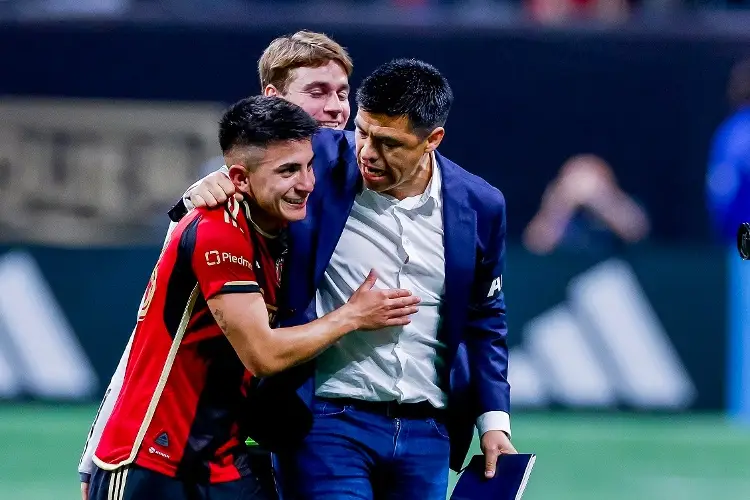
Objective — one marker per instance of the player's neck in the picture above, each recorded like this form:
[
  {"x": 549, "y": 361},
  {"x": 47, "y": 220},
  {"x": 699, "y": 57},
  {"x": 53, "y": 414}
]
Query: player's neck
[{"x": 266, "y": 225}]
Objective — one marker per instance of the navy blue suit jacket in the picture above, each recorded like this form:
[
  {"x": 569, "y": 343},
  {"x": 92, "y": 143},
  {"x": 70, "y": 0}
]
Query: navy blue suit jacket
[{"x": 473, "y": 327}]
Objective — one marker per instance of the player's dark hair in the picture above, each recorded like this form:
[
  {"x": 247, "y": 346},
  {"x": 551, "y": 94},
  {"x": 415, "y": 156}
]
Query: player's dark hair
[
  {"x": 260, "y": 121},
  {"x": 408, "y": 87}
]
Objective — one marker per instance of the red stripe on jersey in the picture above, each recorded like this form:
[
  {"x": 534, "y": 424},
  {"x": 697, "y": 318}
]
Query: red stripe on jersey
[{"x": 183, "y": 400}]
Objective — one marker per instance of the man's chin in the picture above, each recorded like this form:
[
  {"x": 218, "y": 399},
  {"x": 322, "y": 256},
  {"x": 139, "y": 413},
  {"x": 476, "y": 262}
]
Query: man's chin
[
  {"x": 377, "y": 186},
  {"x": 294, "y": 214}
]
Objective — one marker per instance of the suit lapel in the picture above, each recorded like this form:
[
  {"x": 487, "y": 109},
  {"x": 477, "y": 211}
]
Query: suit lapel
[
  {"x": 336, "y": 204},
  {"x": 296, "y": 264},
  {"x": 328, "y": 208},
  {"x": 459, "y": 227}
]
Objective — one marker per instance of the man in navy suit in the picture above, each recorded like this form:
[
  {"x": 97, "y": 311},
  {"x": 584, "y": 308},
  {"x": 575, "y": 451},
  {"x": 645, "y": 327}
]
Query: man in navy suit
[{"x": 391, "y": 413}]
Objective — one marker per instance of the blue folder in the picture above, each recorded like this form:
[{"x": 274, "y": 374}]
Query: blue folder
[{"x": 511, "y": 476}]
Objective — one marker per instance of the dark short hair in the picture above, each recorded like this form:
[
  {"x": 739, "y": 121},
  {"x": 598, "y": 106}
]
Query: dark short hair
[
  {"x": 407, "y": 87},
  {"x": 260, "y": 121}
]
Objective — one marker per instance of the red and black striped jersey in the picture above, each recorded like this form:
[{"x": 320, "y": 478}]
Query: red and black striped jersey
[{"x": 182, "y": 404}]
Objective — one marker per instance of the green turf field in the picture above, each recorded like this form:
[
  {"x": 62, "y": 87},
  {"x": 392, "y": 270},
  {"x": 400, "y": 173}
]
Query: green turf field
[{"x": 581, "y": 457}]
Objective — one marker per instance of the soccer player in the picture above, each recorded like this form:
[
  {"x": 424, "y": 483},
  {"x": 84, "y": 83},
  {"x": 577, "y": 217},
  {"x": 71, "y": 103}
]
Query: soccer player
[
  {"x": 308, "y": 69},
  {"x": 204, "y": 326}
]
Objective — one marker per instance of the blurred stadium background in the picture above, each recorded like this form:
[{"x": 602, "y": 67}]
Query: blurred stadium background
[{"x": 630, "y": 333}]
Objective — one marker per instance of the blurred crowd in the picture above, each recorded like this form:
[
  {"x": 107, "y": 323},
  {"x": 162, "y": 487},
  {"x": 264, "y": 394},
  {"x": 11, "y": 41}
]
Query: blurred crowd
[{"x": 545, "y": 11}]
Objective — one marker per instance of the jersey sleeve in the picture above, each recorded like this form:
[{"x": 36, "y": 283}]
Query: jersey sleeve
[{"x": 223, "y": 259}]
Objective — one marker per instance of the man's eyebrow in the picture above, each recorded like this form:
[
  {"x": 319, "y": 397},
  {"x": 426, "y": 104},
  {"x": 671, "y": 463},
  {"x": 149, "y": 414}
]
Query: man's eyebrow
[
  {"x": 388, "y": 139},
  {"x": 316, "y": 84},
  {"x": 320, "y": 84},
  {"x": 380, "y": 137}
]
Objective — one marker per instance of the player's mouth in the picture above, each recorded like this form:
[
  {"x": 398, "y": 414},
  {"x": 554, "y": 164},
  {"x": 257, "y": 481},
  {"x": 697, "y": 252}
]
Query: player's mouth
[
  {"x": 297, "y": 202},
  {"x": 330, "y": 124},
  {"x": 371, "y": 173}
]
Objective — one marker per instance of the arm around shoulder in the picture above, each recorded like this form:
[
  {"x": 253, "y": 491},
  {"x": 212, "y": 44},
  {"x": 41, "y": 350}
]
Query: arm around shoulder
[
  {"x": 265, "y": 351},
  {"x": 191, "y": 198}
]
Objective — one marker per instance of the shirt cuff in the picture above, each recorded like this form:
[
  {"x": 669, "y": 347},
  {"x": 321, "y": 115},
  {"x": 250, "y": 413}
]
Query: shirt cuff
[
  {"x": 177, "y": 212},
  {"x": 493, "y": 421},
  {"x": 186, "y": 200}
]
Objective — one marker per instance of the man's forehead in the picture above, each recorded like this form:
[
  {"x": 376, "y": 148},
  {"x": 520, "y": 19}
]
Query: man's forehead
[
  {"x": 383, "y": 124},
  {"x": 330, "y": 73},
  {"x": 275, "y": 152}
]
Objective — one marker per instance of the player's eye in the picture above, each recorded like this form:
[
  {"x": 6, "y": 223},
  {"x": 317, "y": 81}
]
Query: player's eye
[{"x": 290, "y": 171}]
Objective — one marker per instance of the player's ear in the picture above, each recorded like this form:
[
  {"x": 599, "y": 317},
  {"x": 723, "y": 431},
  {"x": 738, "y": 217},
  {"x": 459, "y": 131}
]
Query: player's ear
[
  {"x": 270, "y": 90},
  {"x": 434, "y": 139},
  {"x": 238, "y": 174}
]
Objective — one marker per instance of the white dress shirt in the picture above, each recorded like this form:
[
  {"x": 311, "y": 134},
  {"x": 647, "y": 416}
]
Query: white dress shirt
[{"x": 403, "y": 241}]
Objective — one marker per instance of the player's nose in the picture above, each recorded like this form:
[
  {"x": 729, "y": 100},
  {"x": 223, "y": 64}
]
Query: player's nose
[
  {"x": 368, "y": 153},
  {"x": 333, "y": 104},
  {"x": 306, "y": 181}
]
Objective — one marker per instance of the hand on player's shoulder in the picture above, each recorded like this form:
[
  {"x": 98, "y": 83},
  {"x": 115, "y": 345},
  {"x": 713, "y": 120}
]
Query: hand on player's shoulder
[{"x": 213, "y": 191}]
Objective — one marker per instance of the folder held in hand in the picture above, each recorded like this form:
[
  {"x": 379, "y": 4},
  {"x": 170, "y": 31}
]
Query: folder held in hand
[{"x": 509, "y": 483}]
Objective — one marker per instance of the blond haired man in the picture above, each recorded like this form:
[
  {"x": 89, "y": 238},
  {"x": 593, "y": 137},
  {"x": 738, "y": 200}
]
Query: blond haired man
[
  {"x": 306, "y": 68},
  {"x": 312, "y": 71}
]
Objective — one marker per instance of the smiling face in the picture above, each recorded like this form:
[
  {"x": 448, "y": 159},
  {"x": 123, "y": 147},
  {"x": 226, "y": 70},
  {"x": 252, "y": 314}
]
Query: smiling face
[
  {"x": 322, "y": 91},
  {"x": 267, "y": 144},
  {"x": 312, "y": 71},
  {"x": 393, "y": 158},
  {"x": 278, "y": 179}
]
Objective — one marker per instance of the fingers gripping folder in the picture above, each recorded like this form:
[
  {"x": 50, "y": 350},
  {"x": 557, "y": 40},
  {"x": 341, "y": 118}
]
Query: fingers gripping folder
[
  {"x": 743, "y": 241},
  {"x": 511, "y": 476}
]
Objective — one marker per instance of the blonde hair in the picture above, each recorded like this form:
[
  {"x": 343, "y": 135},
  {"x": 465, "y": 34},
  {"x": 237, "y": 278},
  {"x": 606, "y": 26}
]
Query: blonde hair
[{"x": 302, "y": 49}]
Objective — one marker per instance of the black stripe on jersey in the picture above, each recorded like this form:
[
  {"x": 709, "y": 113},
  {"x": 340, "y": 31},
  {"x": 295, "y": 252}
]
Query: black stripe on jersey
[
  {"x": 240, "y": 287},
  {"x": 182, "y": 280},
  {"x": 219, "y": 410}
]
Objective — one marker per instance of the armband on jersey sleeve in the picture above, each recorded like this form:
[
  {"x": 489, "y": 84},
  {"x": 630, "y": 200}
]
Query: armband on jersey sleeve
[{"x": 223, "y": 259}]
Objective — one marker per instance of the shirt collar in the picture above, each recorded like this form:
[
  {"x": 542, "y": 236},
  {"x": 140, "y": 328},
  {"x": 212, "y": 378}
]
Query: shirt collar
[
  {"x": 434, "y": 188},
  {"x": 251, "y": 222}
]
